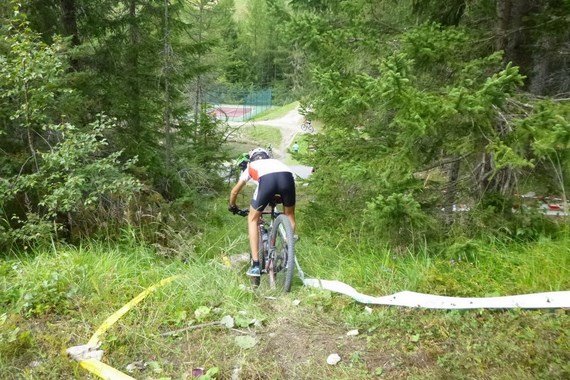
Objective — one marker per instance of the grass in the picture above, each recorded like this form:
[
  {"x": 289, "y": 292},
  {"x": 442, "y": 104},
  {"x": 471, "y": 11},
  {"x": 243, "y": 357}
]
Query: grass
[
  {"x": 236, "y": 148},
  {"x": 263, "y": 135},
  {"x": 240, "y": 9},
  {"x": 252, "y": 137},
  {"x": 55, "y": 298},
  {"x": 275, "y": 113},
  {"x": 303, "y": 141}
]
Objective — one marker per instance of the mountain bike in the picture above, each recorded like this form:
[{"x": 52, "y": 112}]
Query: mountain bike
[
  {"x": 307, "y": 126},
  {"x": 276, "y": 248}
]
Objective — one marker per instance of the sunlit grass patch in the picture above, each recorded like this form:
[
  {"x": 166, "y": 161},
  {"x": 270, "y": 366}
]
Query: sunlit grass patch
[
  {"x": 263, "y": 135},
  {"x": 488, "y": 269},
  {"x": 304, "y": 150},
  {"x": 485, "y": 269},
  {"x": 236, "y": 148},
  {"x": 275, "y": 113}
]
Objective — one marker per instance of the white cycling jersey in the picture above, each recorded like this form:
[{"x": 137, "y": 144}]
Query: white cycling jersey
[{"x": 259, "y": 168}]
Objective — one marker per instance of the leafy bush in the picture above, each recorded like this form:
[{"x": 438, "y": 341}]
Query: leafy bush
[
  {"x": 54, "y": 169},
  {"x": 73, "y": 175}
]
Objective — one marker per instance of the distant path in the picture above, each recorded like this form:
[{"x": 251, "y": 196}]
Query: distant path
[{"x": 290, "y": 126}]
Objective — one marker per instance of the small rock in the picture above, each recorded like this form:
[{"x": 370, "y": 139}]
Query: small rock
[
  {"x": 140, "y": 365},
  {"x": 296, "y": 302},
  {"x": 228, "y": 321},
  {"x": 235, "y": 373},
  {"x": 333, "y": 359},
  {"x": 352, "y": 333},
  {"x": 368, "y": 309},
  {"x": 236, "y": 260}
]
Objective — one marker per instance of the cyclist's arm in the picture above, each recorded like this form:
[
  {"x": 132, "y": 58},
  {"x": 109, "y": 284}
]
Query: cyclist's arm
[{"x": 235, "y": 191}]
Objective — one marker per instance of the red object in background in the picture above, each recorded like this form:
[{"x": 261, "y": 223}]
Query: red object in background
[
  {"x": 554, "y": 207},
  {"x": 231, "y": 111}
]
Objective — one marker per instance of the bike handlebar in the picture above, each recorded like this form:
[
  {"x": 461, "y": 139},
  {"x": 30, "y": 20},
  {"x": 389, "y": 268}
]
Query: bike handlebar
[{"x": 245, "y": 211}]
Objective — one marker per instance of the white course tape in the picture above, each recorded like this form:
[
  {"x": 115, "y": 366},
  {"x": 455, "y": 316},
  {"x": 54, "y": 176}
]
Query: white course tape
[{"x": 547, "y": 300}]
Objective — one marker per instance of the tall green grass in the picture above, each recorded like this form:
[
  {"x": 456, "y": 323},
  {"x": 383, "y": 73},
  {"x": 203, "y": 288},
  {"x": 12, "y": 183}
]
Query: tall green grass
[
  {"x": 485, "y": 268},
  {"x": 263, "y": 135},
  {"x": 275, "y": 113},
  {"x": 80, "y": 287}
]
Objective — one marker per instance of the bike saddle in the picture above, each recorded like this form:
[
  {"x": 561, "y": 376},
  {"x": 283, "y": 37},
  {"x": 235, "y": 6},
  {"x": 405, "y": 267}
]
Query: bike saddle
[{"x": 276, "y": 199}]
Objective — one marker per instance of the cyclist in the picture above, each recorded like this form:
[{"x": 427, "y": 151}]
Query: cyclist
[
  {"x": 272, "y": 177},
  {"x": 242, "y": 161},
  {"x": 307, "y": 126},
  {"x": 239, "y": 165}
]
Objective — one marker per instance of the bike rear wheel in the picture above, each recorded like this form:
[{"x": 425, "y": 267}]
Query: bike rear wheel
[
  {"x": 306, "y": 127},
  {"x": 282, "y": 262}
]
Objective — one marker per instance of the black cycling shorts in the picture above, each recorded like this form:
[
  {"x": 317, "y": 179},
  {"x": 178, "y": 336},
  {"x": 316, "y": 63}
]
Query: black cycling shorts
[{"x": 281, "y": 183}]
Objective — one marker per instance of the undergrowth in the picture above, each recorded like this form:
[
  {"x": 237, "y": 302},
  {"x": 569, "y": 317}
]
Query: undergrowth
[
  {"x": 467, "y": 268},
  {"x": 56, "y": 297}
]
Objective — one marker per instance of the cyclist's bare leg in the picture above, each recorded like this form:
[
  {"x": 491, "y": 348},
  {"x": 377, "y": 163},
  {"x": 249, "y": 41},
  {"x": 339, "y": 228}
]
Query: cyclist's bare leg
[
  {"x": 290, "y": 212},
  {"x": 252, "y": 223}
]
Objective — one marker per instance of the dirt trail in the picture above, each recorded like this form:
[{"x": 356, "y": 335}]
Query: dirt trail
[{"x": 289, "y": 125}]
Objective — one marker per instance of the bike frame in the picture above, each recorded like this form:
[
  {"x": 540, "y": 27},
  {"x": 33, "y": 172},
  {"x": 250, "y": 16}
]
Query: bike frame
[
  {"x": 307, "y": 126},
  {"x": 270, "y": 262},
  {"x": 266, "y": 256}
]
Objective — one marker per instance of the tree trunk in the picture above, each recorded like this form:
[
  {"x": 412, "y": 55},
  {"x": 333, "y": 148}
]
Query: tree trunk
[
  {"x": 513, "y": 35},
  {"x": 133, "y": 63},
  {"x": 450, "y": 195},
  {"x": 69, "y": 22},
  {"x": 166, "y": 73},
  {"x": 30, "y": 132},
  {"x": 514, "y": 39},
  {"x": 198, "y": 93}
]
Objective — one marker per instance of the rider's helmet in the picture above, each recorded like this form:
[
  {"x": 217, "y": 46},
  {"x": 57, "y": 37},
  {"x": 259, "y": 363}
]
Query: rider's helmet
[{"x": 258, "y": 154}]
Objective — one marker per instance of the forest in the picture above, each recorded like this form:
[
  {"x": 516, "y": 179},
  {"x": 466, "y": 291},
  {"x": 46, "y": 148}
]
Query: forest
[{"x": 439, "y": 160}]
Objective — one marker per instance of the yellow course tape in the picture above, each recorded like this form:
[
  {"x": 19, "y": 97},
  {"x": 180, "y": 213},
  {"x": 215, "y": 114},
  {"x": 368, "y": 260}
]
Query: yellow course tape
[
  {"x": 94, "y": 365},
  {"x": 88, "y": 355},
  {"x": 94, "y": 341},
  {"x": 103, "y": 370}
]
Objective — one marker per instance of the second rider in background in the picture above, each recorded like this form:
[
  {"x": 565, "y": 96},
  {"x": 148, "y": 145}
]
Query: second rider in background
[{"x": 272, "y": 177}]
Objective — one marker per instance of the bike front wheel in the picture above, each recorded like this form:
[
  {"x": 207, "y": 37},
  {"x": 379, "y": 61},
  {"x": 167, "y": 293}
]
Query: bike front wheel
[{"x": 282, "y": 258}]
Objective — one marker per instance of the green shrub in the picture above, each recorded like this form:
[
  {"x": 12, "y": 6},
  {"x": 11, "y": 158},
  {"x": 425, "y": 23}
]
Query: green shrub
[{"x": 396, "y": 218}]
